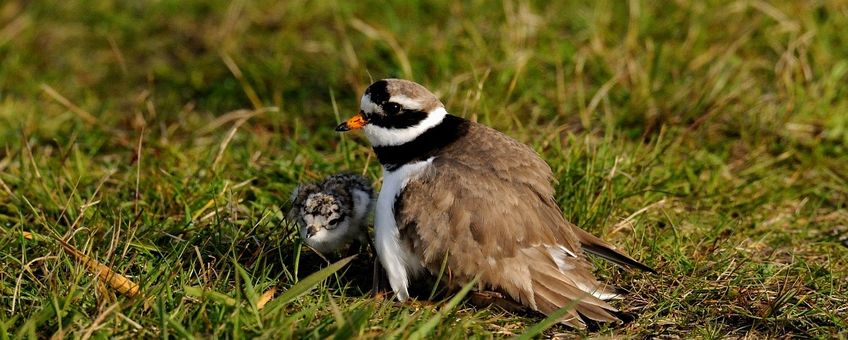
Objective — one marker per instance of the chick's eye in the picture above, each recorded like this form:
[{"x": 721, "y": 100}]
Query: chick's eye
[
  {"x": 391, "y": 108},
  {"x": 333, "y": 221}
]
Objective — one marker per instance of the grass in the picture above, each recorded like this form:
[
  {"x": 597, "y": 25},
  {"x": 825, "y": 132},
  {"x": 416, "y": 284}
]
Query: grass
[{"x": 707, "y": 138}]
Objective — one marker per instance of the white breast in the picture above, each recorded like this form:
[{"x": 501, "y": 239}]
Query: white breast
[{"x": 398, "y": 261}]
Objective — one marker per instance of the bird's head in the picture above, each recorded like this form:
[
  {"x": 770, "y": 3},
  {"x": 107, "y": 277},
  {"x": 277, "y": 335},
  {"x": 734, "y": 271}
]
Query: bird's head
[
  {"x": 321, "y": 214},
  {"x": 395, "y": 111}
]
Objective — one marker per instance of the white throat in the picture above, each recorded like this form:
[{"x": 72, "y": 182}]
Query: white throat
[
  {"x": 398, "y": 260},
  {"x": 380, "y": 136}
]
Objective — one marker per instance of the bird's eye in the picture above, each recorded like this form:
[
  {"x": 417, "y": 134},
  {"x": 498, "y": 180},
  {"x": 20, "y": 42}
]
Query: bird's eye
[
  {"x": 391, "y": 108},
  {"x": 333, "y": 221}
]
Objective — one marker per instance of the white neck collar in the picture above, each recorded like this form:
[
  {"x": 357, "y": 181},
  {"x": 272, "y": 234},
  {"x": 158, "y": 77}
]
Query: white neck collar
[{"x": 380, "y": 136}]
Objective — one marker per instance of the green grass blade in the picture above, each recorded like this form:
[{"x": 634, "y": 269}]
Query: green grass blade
[
  {"x": 306, "y": 285},
  {"x": 249, "y": 290},
  {"x": 184, "y": 333},
  {"x": 425, "y": 329},
  {"x": 4, "y": 331},
  {"x": 549, "y": 321},
  {"x": 200, "y": 292},
  {"x": 442, "y": 269}
]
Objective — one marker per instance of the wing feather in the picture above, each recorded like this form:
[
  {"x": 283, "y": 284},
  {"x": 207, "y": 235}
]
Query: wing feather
[{"x": 496, "y": 216}]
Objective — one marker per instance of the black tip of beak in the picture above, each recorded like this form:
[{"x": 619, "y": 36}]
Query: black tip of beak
[
  {"x": 342, "y": 127},
  {"x": 311, "y": 231}
]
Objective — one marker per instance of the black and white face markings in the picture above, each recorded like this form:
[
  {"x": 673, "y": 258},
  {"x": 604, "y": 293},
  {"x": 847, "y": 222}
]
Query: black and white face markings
[
  {"x": 396, "y": 112},
  {"x": 384, "y": 110},
  {"x": 401, "y": 131}
]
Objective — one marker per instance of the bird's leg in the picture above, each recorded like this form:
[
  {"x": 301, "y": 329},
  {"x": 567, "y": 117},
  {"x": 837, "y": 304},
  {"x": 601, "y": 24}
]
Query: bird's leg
[
  {"x": 375, "y": 280},
  {"x": 491, "y": 298},
  {"x": 377, "y": 273}
]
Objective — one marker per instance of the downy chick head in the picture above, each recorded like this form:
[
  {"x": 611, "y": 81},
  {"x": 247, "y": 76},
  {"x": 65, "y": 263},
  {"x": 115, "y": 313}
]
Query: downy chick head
[{"x": 330, "y": 214}]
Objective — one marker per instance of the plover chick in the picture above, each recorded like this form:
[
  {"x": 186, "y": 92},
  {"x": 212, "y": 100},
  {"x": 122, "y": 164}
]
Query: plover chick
[{"x": 332, "y": 213}]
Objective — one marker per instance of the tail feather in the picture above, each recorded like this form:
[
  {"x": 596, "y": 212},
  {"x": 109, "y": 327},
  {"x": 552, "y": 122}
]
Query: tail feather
[
  {"x": 557, "y": 286},
  {"x": 550, "y": 279},
  {"x": 598, "y": 247},
  {"x": 598, "y": 314},
  {"x": 549, "y": 302},
  {"x": 547, "y": 279}
]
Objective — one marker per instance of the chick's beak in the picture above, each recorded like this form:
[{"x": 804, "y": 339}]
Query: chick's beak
[
  {"x": 311, "y": 231},
  {"x": 355, "y": 122}
]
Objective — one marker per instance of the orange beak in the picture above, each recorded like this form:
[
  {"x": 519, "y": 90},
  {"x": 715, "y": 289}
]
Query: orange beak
[{"x": 356, "y": 122}]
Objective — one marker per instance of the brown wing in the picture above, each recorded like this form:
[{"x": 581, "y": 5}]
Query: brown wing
[{"x": 487, "y": 203}]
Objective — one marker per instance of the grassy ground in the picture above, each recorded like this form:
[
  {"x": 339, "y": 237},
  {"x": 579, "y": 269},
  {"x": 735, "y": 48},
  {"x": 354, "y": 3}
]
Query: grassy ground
[{"x": 707, "y": 138}]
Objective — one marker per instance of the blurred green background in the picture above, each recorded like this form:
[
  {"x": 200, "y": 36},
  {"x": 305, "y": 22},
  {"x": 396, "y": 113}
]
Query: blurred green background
[{"x": 707, "y": 138}]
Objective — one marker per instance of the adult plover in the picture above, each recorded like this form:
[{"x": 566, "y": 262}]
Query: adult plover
[
  {"x": 458, "y": 189},
  {"x": 333, "y": 213}
]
